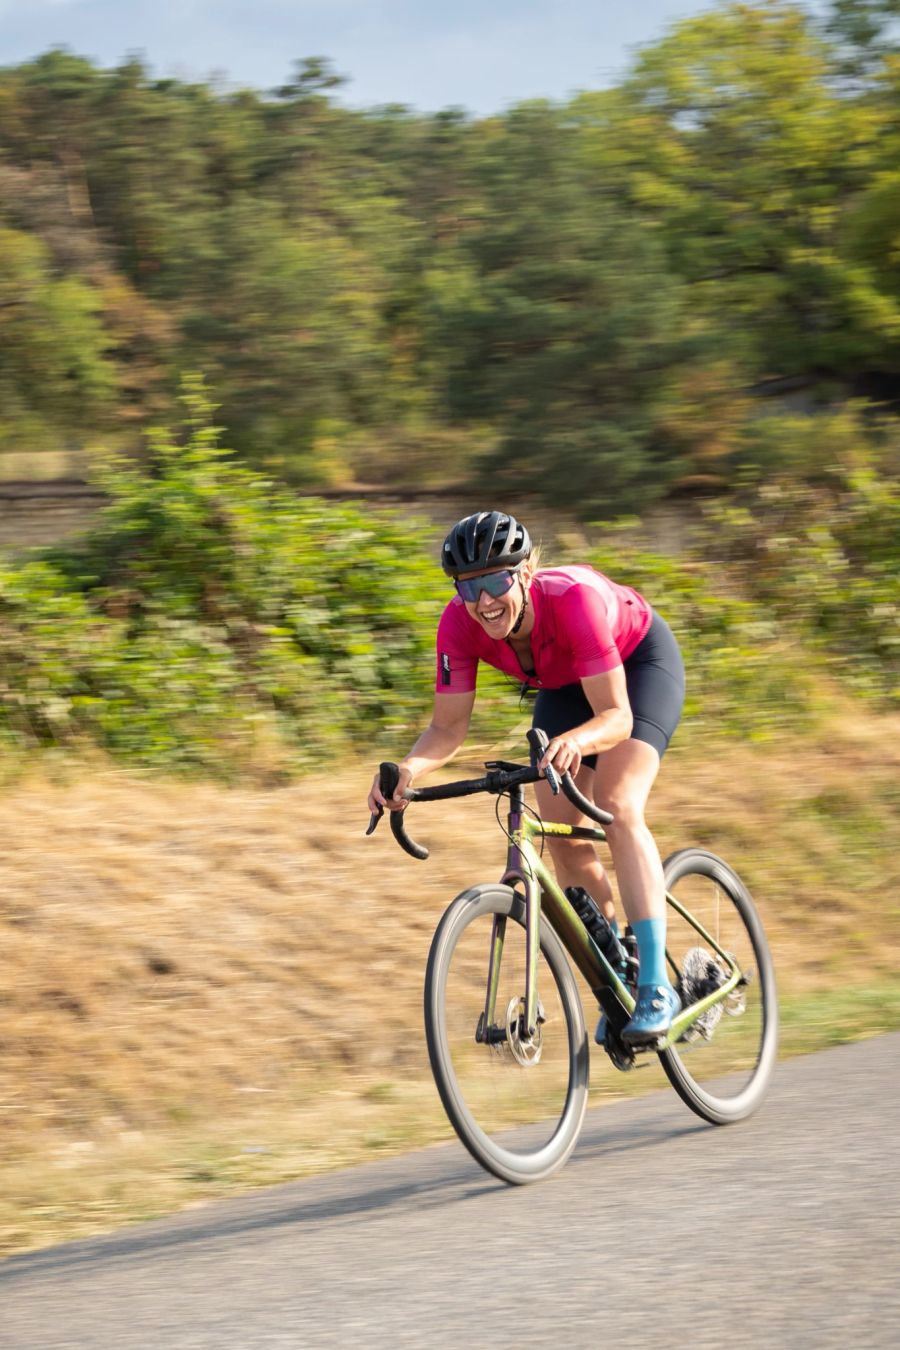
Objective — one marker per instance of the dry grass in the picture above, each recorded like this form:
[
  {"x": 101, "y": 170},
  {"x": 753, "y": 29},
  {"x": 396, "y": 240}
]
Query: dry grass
[{"x": 207, "y": 988}]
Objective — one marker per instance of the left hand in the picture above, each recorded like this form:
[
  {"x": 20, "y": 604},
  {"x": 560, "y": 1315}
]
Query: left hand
[{"x": 564, "y": 753}]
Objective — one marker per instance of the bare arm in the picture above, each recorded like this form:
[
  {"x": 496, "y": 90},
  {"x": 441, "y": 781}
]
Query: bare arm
[
  {"x": 438, "y": 742},
  {"x": 612, "y": 722}
]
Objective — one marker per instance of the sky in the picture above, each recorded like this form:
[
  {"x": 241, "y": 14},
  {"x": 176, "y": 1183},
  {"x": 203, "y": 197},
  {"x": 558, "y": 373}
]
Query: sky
[{"x": 482, "y": 55}]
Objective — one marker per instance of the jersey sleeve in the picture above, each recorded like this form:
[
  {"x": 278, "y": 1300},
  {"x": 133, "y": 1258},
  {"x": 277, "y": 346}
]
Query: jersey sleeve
[
  {"x": 586, "y": 623},
  {"x": 457, "y": 662}
]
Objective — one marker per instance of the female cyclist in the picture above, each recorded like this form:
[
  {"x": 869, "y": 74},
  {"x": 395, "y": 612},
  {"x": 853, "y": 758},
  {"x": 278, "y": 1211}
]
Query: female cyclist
[{"x": 610, "y": 683}]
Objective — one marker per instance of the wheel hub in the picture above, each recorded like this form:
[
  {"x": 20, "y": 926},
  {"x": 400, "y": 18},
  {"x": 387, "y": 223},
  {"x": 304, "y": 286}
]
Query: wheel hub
[{"x": 525, "y": 1049}]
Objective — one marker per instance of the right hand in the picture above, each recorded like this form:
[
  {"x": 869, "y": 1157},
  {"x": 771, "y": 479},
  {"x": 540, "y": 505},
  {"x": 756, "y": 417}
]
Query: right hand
[
  {"x": 395, "y": 803},
  {"x": 564, "y": 753}
]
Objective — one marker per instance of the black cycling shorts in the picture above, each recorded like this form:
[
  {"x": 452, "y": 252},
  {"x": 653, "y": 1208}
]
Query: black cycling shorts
[{"x": 654, "y": 675}]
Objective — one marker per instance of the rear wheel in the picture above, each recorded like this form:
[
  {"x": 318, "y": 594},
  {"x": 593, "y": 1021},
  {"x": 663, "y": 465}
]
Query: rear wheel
[
  {"x": 516, "y": 1102},
  {"x": 722, "y": 1067}
]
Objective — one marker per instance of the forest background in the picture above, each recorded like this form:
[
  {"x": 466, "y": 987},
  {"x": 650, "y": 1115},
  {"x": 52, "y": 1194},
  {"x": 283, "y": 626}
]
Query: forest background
[{"x": 673, "y": 300}]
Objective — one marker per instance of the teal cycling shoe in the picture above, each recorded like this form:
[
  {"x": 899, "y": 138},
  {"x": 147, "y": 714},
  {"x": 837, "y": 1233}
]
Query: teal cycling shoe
[{"x": 656, "y": 1005}]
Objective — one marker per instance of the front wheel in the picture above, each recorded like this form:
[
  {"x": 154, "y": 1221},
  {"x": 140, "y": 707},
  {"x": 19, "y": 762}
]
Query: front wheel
[
  {"x": 722, "y": 1066},
  {"x": 516, "y": 1101}
]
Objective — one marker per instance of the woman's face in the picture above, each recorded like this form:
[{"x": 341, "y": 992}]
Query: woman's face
[{"x": 497, "y": 614}]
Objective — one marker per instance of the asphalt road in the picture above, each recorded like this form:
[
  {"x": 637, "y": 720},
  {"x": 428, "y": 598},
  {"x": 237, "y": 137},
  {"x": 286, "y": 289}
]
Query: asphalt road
[{"x": 662, "y": 1231}]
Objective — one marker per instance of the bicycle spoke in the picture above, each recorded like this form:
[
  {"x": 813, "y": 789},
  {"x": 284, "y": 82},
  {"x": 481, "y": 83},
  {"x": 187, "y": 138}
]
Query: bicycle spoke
[
  {"x": 515, "y": 1094},
  {"x": 722, "y": 1062},
  {"x": 516, "y": 1079}
]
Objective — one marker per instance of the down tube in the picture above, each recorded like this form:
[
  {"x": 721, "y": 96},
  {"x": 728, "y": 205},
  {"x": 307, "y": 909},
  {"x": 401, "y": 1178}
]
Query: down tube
[{"x": 571, "y": 931}]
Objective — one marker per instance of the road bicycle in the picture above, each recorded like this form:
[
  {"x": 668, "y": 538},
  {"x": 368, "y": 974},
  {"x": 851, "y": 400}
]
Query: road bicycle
[{"x": 504, "y": 1020}]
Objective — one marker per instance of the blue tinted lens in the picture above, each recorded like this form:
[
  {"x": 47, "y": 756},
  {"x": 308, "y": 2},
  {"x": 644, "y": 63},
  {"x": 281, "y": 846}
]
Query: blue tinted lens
[{"x": 495, "y": 583}]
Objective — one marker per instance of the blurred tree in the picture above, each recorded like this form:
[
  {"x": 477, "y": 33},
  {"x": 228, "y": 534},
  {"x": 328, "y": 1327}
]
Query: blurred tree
[
  {"x": 293, "y": 340},
  {"x": 152, "y": 191},
  {"x": 56, "y": 380},
  {"x": 866, "y": 31},
  {"x": 48, "y": 115},
  {"x": 559, "y": 321},
  {"x": 729, "y": 133},
  {"x": 591, "y": 294}
]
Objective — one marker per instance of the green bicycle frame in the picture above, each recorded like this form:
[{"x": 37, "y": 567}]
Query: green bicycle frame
[{"x": 525, "y": 869}]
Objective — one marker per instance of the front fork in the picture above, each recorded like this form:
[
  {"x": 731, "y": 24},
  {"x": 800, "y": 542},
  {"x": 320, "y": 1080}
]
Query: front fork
[
  {"x": 515, "y": 873},
  {"x": 532, "y": 945},
  {"x": 488, "y": 1031}
]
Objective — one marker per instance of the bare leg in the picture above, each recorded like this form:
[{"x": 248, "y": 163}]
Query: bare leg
[
  {"x": 622, "y": 783},
  {"x": 575, "y": 861}
]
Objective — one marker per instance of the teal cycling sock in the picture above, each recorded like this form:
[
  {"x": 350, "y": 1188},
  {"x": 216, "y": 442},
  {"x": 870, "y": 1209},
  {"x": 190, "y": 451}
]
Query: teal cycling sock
[{"x": 651, "y": 941}]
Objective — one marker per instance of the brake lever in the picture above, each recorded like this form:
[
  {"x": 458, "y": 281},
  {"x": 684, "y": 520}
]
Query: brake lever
[
  {"x": 388, "y": 778},
  {"x": 538, "y": 740},
  {"x": 374, "y": 819}
]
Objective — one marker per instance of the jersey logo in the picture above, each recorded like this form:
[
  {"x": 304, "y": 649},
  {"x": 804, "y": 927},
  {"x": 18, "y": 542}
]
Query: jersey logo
[{"x": 445, "y": 668}]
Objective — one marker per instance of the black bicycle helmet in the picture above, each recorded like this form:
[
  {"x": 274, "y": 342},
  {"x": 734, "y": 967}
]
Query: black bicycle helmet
[{"x": 485, "y": 539}]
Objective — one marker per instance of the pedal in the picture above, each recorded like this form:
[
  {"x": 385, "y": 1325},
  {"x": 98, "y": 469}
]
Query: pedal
[
  {"x": 641, "y": 1052},
  {"x": 621, "y": 1055}
]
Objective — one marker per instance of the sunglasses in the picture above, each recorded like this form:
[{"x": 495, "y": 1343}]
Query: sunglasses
[{"x": 495, "y": 583}]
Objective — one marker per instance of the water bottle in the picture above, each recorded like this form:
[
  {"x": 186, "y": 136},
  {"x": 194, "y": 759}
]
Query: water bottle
[
  {"x": 599, "y": 927},
  {"x": 632, "y": 965}
]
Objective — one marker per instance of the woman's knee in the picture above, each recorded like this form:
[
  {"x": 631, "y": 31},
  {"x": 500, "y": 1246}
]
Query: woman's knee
[{"x": 628, "y": 820}]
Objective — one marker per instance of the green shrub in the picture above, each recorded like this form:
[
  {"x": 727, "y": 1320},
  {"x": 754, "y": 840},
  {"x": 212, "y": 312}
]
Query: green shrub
[
  {"x": 744, "y": 677},
  {"x": 818, "y": 545},
  {"x": 209, "y": 609},
  {"x": 213, "y": 622}
]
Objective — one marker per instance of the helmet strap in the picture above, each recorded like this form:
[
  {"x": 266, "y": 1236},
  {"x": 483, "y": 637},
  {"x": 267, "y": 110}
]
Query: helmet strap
[{"x": 518, "y": 623}]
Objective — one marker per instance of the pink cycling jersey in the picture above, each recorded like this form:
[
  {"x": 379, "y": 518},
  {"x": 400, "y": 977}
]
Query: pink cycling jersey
[{"x": 584, "y": 624}]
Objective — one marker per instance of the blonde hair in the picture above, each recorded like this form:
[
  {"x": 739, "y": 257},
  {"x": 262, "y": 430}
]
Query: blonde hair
[{"x": 533, "y": 561}]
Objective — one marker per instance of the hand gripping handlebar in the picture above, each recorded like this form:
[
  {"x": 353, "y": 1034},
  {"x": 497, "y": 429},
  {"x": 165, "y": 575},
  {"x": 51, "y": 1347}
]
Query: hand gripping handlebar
[
  {"x": 499, "y": 778},
  {"x": 389, "y": 777}
]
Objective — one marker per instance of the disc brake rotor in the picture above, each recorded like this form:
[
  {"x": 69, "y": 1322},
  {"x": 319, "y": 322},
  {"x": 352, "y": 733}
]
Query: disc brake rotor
[{"x": 525, "y": 1049}]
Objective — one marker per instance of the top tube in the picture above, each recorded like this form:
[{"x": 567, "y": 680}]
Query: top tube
[{"x": 555, "y": 829}]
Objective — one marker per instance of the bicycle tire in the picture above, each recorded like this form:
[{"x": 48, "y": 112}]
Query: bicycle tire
[
  {"x": 522, "y": 1156},
  {"x": 724, "y": 1078}
]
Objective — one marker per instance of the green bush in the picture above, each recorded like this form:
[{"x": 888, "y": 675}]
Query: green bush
[
  {"x": 209, "y": 614},
  {"x": 744, "y": 676},
  {"x": 817, "y": 545},
  {"x": 213, "y": 622}
]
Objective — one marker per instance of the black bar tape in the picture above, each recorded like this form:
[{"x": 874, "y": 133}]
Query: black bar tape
[
  {"x": 388, "y": 778},
  {"x": 410, "y": 846},
  {"x": 444, "y": 791},
  {"x": 577, "y": 798}
]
